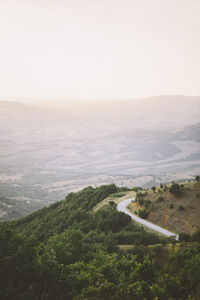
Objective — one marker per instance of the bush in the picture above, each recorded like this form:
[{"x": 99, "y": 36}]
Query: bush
[
  {"x": 140, "y": 201},
  {"x": 184, "y": 237},
  {"x": 171, "y": 206},
  {"x": 181, "y": 208},
  {"x": 159, "y": 199},
  {"x": 143, "y": 213},
  {"x": 139, "y": 198},
  {"x": 137, "y": 188},
  {"x": 175, "y": 189},
  {"x": 196, "y": 236},
  {"x": 118, "y": 195},
  {"x": 165, "y": 188},
  {"x": 147, "y": 203},
  {"x": 139, "y": 195}
]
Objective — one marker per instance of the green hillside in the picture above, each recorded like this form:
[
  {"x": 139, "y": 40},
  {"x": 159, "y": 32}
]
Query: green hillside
[{"x": 66, "y": 251}]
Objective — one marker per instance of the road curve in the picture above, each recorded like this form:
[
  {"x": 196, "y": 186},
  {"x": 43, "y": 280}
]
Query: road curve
[{"x": 122, "y": 207}]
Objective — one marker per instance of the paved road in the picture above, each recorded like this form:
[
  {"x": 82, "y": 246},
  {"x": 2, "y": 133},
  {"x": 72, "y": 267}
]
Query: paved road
[{"x": 122, "y": 207}]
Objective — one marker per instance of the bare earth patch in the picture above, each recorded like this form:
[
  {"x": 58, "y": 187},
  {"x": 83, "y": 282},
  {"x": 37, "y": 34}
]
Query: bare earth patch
[{"x": 178, "y": 214}]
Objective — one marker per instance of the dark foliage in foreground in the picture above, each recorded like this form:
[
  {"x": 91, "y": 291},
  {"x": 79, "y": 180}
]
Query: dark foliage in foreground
[{"x": 65, "y": 252}]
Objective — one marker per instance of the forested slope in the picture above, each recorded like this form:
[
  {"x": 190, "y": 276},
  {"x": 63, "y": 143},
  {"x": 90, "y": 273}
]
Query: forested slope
[{"x": 66, "y": 252}]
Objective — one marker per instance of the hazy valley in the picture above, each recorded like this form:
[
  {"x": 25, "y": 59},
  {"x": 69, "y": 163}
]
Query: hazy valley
[{"x": 46, "y": 153}]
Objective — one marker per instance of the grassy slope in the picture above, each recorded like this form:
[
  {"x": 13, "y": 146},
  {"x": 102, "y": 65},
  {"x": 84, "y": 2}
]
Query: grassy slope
[
  {"x": 174, "y": 219},
  {"x": 117, "y": 197}
]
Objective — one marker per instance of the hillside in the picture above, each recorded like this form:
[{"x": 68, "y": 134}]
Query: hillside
[
  {"x": 178, "y": 211},
  {"x": 69, "y": 251},
  {"x": 77, "y": 212}
]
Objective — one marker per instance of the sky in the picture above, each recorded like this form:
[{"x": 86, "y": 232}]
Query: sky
[{"x": 99, "y": 49}]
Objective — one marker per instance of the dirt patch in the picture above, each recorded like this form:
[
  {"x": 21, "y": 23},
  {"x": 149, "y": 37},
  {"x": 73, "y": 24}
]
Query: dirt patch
[{"x": 175, "y": 213}]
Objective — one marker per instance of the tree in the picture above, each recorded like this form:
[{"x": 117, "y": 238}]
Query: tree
[
  {"x": 175, "y": 189},
  {"x": 196, "y": 236},
  {"x": 173, "y": 241},
  {"x": 67, "y": 246},
  {"x": 197, "y": 178},
  {"x": 184, "y": 237},
  {"x": 18, "y": 260},
  {"x": 153, "y": 189}
]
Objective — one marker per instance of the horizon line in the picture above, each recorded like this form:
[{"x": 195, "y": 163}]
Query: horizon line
[{"x": 12, "y": 98}]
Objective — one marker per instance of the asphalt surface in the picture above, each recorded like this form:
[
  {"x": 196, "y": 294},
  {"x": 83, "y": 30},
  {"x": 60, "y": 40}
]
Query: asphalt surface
[{"x": 122, "y": 207}]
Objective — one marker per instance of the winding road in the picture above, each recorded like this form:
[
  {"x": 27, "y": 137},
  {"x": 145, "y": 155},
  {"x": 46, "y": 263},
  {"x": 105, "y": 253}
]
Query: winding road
[{"x": 122, "y": 207}]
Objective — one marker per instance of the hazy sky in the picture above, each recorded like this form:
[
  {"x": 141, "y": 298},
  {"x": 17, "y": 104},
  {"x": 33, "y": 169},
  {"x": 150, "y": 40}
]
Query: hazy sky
[{"x": 99, "y": 48}]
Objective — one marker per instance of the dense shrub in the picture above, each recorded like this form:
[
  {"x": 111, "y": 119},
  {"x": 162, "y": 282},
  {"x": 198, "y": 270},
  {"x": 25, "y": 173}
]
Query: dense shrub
[
  {"x": 175, "y": 189},
  {"x": 159, "y": 199},
  {"x": 143, "y": 213}
]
